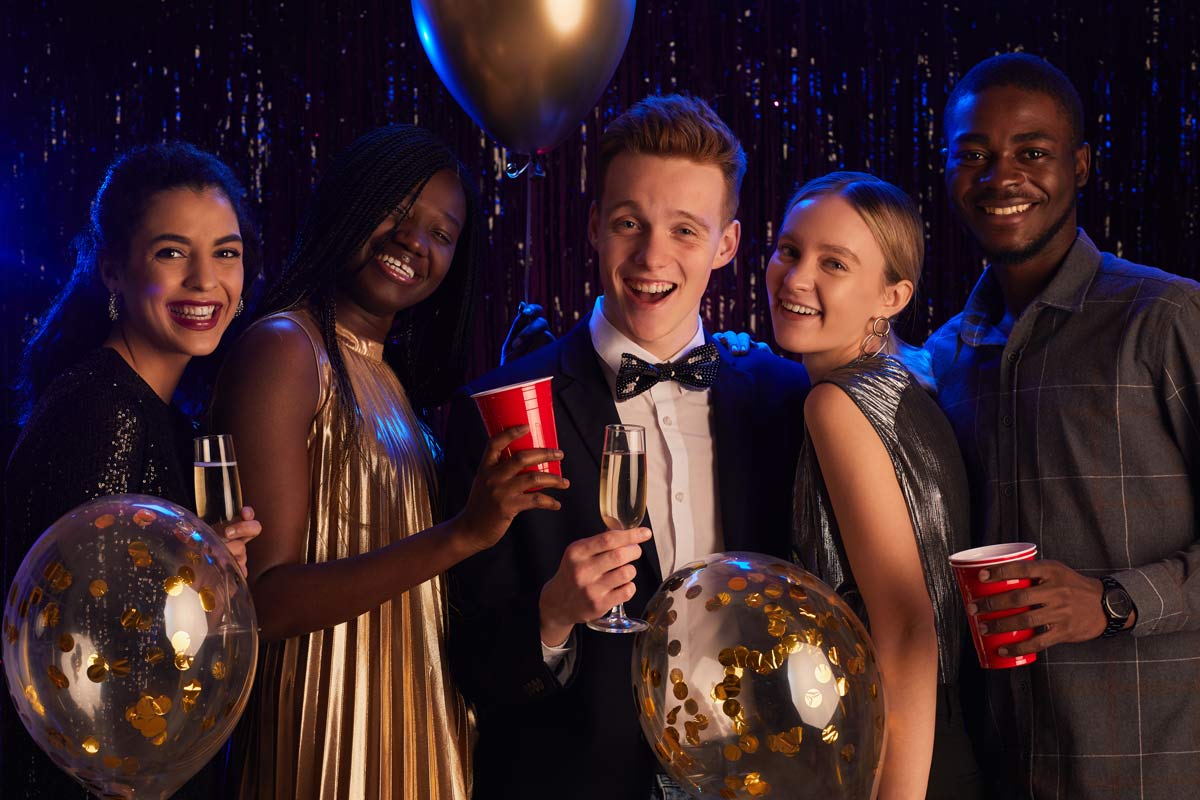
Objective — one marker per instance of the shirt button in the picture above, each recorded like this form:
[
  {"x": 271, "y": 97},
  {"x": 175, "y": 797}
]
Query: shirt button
[
  {"x": 1012, "y": 357},
  {"x": 679, "y": 496},
  {"x": 1006, "y": 421},
  {"x": 666, "y": 420},
  {"x": 1008, "y": 491}
]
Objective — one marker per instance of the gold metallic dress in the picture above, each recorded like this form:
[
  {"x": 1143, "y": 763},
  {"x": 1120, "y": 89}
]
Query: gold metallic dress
[{"x": 366, "y": 709}]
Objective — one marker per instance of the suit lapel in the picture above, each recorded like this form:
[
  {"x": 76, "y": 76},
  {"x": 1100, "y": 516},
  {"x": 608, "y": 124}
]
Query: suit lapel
[
  {"x": 733, "y": 405},
  {"x": 587, "y": 400}
]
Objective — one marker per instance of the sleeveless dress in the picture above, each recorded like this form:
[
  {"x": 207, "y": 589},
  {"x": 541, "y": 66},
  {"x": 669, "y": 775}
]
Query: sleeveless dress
[
  {"x": 933, "y": 481},
  {"x": 366, "y": 709}
]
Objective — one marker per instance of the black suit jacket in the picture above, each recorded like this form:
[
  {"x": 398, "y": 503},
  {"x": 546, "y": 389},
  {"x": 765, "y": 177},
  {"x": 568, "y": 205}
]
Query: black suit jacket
[{"x": 539, "y": 739}]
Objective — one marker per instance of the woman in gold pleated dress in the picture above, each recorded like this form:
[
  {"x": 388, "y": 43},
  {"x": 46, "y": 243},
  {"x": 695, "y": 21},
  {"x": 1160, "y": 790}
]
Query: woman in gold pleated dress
[{"x": 365, "y": 327}]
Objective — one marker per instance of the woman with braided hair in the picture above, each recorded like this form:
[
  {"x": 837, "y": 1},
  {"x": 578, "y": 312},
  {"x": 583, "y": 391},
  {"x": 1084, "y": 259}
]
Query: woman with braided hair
[{"x": 366, "y": 325}]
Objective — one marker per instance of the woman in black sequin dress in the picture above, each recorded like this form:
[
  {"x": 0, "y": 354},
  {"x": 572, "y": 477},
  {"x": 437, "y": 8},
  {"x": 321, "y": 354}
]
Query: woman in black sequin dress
[
  {"x": 881, "y": 494},
  {"x": 158, "y": 277}
]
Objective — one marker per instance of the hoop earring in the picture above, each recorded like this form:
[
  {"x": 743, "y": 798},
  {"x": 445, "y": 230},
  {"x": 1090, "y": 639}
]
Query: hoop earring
[
  {"x": 241, "y": 306},
  {"x": 876, "y": 333},
  {"x": 114, "y": 312}
]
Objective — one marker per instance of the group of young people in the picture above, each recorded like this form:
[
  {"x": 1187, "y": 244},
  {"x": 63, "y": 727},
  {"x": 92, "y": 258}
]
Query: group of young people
[{"x": 421, "y": 604}]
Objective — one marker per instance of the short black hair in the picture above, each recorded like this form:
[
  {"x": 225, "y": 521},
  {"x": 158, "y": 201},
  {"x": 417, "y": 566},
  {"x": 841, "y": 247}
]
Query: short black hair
[{"x": 1023, "y": 71}]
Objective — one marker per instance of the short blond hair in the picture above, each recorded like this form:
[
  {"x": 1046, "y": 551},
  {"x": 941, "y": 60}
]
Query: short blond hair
[{"x": 676, "y": 126}]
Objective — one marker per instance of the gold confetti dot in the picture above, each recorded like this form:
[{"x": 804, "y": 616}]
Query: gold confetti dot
[
  {"x": 32, "y": 696},
  {"x": 737, "y": 584},
  {"x": 23, "y": 609},
  {"x": 732, "y": 752},
  {"x": 830, "y": 734},
  {"x": 180, "y": 641},
  {"x": 813, "y": 698},
  {"x": 97, "y": 671},
  {"x": 648, "y": 706},
  {"x": 723, "y": 598},
  {"x": 773, "y": 591},
  {"x": 655, "y": 678},
  {"x": 219, "y": 671},
  {"x": 56, "y": 677},
  {"x": 97, "y": 588},
  {"x": 834, "y": 656},
  {"x": 187, "y": 575},
  {"x": 748, "y": 743},
  {"x": 62, "y": 581},
  {"x": 49, "y": 615},
  {"x": 676, "y": 675},
  {"x": 173, "y": 585},
  {"x": 848, "y": 753},
  {"x": 90, "y": 745},
  {"x": 208, "y": 601},
  {"x": 777, "y": 627},
  {"x": 856, "y": 665},
  {"x": 874, "y": 691},
  {"x": 191, "y": 691},
  {"x": 693, "y": 592},
  {"x": 158, "y": 740},
  {"x": 674, "y": 648},
  {"x": 701, "y": 721},
  {"x": 680, "y": 690},
  {"x": 691, "y": 706},
  {"x": 798, "y": 594},
  {"x": 119, "y": 668},
  {"x": 155, "y": 655},
  {"x": 731, "y": 708},
  {"x": 66, "y": 643},
  {"x": 673, "y": 715},
  {"x": 105, "y": 521},
  {"x": 11, "y": 632},
  {"x": 725, "y": 657},
  {"x": 183, "y": 662},
  {"x": 192, "y": 556},
  {"x": 151, "y": 727},
  {"x": 207, "y": 723},
  {"x": 112, "y": 762},
  {"x": 140, "y": 554},
  {"x": 823, "y": 673},
  {"x": 129, "y": 618},
  {"x": 143, "y": 517},
  {"x": 754, "y": 600}
]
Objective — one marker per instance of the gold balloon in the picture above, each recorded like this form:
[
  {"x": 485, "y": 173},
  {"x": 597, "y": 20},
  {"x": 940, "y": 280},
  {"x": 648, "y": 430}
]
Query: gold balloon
[
  {"x": 108, "y": 591},
  {"x": 526, "y": 70},
  {"x": 783, "y": 694}
]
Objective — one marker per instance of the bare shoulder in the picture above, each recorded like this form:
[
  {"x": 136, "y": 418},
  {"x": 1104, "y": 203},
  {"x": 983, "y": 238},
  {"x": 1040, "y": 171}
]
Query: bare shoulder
[
  {"x": 828, "y": 407},
  {"x": 274, "y": 358}
]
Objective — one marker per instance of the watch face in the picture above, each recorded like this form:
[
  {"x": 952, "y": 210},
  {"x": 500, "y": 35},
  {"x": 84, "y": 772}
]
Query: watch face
[{"x": 1117, "y": 603}]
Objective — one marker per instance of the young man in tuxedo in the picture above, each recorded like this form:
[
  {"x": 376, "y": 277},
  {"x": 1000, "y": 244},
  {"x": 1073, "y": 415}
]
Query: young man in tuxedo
[{"x": 555, "y": 711}]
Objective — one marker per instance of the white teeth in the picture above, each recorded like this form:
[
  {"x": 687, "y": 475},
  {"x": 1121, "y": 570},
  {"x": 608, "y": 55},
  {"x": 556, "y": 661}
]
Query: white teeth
[
  {"x": 1007, "y": 210},
  {"x": 799, "y": 309},
  {"x": 401, "y": 266},
  {"x": 194, "y": 312},
  {"x": 651, "y": 287}
]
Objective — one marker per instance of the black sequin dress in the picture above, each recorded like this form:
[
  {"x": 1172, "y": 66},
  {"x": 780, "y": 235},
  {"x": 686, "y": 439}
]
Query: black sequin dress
[
  {"x": 932, "y": 478},
  {"x": 98, "y": 429}
]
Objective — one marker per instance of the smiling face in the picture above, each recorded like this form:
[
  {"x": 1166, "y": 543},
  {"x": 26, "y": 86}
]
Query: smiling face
[
  {"x": 1012, "y": 172},
  {"x": 406, "y": 257},
  {"x": 826, "y": 283},
  {"x": 182, "y": 280},
  {"x": 660, "y": 230}
]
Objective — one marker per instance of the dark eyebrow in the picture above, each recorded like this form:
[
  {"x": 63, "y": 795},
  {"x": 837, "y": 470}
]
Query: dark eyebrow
[
  {"x": 1034, "y": 136},
  {"x": 837, "y": 249},
  {"x": 175, "y": 237}
]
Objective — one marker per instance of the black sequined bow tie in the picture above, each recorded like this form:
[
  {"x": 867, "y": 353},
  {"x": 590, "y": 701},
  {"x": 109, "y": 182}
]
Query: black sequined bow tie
[{"x": 698, "y": 369}]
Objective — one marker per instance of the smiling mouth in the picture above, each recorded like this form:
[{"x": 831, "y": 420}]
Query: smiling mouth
[
  {"x": 399, "y": 268},
  {"x": 801, "y": 310},
  {"x": 188, "y": 311},
  {"x": 650, "y": 291},
  {"x": 1005, "y": 211}
]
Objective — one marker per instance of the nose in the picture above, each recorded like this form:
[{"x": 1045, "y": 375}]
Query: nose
[
  {"x": 410, "y": 236},
  {"x": 202, "y": 272},
  {"x": 655, "y": 251},
  {"x": 1005, "y": 171},
  {"x": 799, "y": 276}
]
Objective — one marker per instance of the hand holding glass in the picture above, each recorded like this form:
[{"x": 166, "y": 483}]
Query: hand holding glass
[{"x": 622, "y": 502}]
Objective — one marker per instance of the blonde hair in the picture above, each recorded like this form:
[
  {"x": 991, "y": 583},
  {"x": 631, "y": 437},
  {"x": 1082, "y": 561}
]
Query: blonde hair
[
  {"x": 890, "y": 214},
  {"x": 676, "y": 126}
]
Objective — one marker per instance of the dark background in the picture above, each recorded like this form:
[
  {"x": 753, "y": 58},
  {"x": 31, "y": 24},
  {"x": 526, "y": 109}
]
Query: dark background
[{"x": 276, "y": 88}]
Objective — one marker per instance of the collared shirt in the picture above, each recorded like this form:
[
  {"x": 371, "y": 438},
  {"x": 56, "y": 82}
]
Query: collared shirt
[
  {"x": 681, "y": 491},
  {"x": 1080, "y": 428}
]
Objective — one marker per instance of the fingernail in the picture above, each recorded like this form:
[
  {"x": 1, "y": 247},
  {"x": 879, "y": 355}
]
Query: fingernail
[
  {"x": 972, "y": 609},
  {"x": 984, "y": 574},
  {"x": 558, "y": 454},
  {"x": 1003, "y": 651},
  {"x": 983, "y": 629}
]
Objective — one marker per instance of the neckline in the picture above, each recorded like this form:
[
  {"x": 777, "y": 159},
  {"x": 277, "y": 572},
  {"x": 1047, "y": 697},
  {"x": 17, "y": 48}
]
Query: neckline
[{"x": 358, "y": 344}]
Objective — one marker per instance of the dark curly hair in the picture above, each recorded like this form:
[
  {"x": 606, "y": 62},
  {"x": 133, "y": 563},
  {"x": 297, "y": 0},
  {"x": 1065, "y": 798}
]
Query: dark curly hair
[
  {"x": 364, "y": 185},
  {"x": 77, "y": 320}
]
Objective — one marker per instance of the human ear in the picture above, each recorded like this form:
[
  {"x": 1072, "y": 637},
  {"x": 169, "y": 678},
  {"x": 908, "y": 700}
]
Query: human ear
[
  {"x": 593, "y": 225},
  {"x": 727, "y": 247},
  {"x": 895, "y": 297},
  {"x": 1083, "y": 165}
]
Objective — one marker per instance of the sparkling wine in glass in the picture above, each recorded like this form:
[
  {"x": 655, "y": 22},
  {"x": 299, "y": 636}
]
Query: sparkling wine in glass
[
  {"x": 218, "y": 490},
  {"x": 622, "y": 503}
]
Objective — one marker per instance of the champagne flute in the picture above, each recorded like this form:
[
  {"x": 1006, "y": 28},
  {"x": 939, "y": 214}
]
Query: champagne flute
[
  {"x": 218, "y": 490},
  {"x": 622, "y": 503}
]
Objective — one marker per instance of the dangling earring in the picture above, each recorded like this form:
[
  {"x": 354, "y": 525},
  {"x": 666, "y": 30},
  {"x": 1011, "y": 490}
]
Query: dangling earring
[
  {"x": 876, "y": 333},
  {"x": 114, "y": 313},
  {"x": 241, "y": 306}
]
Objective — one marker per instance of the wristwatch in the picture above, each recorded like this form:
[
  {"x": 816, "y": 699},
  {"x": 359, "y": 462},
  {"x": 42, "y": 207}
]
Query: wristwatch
[{"x": 1117, "y": 606}]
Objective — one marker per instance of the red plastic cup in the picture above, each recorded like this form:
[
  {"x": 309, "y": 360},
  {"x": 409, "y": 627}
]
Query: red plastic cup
[
  {"x": 528, "y": 403},
  {"x": 966, "y": 565}
]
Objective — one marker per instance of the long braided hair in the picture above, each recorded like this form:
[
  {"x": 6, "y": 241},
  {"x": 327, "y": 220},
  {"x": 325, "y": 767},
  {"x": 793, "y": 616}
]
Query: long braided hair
[{"x": 366, "y": 183}]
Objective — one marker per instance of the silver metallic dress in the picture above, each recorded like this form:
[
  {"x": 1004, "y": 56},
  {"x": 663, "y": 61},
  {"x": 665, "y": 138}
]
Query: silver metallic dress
[{"x": 932, "y": 478}]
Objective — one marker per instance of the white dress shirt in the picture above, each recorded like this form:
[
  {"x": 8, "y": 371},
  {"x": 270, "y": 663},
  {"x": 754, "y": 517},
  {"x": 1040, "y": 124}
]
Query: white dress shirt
[{"x": 681, "y": 490}]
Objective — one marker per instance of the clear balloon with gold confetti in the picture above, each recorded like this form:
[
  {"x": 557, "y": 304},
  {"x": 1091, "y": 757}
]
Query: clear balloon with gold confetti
[
  {"x": 755, "y": 679},
  {"x": 129, "y": 642}
]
